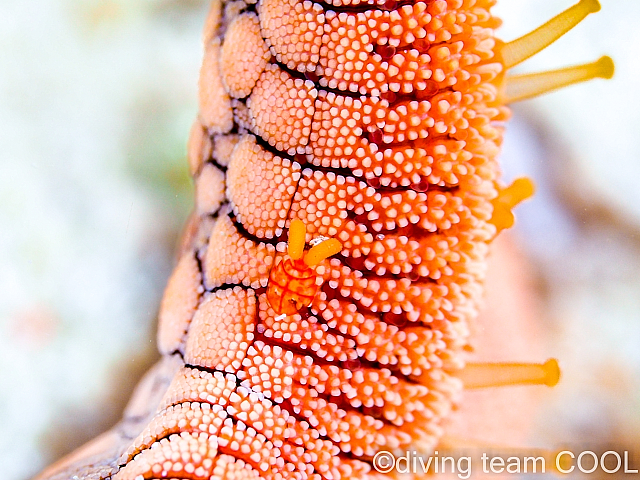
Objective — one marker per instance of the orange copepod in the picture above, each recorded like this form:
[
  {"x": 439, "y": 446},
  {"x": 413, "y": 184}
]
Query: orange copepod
[{"x": 293, "y": 279}]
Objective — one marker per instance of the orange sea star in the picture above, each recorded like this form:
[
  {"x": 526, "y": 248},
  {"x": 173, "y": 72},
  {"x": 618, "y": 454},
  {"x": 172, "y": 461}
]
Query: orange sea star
[{"x": 376, "y": 123}]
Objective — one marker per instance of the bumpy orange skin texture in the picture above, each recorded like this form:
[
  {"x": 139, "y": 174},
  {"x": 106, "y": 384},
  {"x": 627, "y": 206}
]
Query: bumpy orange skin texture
[{"x": 378, "y": 127}]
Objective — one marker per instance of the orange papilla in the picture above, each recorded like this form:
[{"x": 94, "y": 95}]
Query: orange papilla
[{"x": 292, "y": 286}]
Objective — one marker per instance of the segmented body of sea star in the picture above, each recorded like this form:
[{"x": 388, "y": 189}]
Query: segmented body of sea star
[{"x": 376, "y": 124}]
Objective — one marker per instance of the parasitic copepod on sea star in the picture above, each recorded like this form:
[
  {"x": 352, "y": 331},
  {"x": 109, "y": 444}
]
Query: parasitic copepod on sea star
[{"x": 292, "y": 281}]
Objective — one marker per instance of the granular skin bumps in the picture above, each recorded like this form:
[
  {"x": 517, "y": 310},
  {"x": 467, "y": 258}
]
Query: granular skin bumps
[
  {"x": 228, "y": 466},
  {"x": 176, "y": 419},
  {"x": 294, "y": 30},
  {"x": 260, "y": 187},
  {"x": 223, "y": 147},
  {"x": 222, "y": 329},
  {"x": 194, "y": 385},
  {"x": 244, "y": 55},
  {"x": 282, "y": 108},
  {"x": 248, "y": 263},
  {"x": 191, "y": 455},
  {"x": 209, "y": 190},
  {"x": 179, "y": 303},
  {"x": 215, "y": 105}
]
